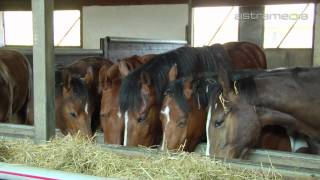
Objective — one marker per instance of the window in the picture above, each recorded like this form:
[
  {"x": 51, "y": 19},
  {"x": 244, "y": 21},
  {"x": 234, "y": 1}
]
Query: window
[
  {"x": 279, "y": 19},
  {"x": 215, "y": 25},
  {"x": 18, "y": 28}
]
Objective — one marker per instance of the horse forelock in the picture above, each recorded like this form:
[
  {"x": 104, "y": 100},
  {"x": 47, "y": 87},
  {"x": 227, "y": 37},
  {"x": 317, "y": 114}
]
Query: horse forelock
[{"x": 79, "y": 89}]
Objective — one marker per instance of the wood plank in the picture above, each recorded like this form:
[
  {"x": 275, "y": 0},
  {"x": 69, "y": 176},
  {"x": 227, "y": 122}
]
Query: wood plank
[
  {"x": 43, "y": 70},
  {"x": 16, "y": 131},
  {"x": 286, "y": 171},
  {"x": 288, "y": 164}
]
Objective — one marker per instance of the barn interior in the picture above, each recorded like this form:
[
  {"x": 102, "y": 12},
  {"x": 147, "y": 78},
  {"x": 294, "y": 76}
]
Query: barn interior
[{"x": 287, "y": 30}]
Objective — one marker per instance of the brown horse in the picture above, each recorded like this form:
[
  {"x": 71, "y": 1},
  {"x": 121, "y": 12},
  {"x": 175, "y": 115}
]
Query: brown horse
[
  {"x": 184, "y": 108},
  {"x": 15, "y": 83},
  {"x": 287, "y": 98},
  {"x": 141, "y": 92},
  {"x": 77, "y": 97},
  {"x": 111, "y": 119}
]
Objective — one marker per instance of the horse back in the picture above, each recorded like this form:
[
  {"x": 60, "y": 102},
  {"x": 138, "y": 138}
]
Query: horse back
[{"x": 246, "y": 55}]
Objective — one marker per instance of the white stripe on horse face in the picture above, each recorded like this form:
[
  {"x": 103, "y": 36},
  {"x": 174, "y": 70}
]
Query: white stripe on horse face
[
  {"x": 86, "y": 108},
  {"x": 166, "y": 113},
  {"x": 207, "y": 131},
  {"x": 126, "y": 119},
  {"x": 119, "y": 114}
]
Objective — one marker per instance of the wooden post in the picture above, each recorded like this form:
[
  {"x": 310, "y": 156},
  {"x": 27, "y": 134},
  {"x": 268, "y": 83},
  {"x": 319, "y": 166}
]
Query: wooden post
[
  {"x": 1, "y": 30},
  {"x": 43, "y": 69},
  {"x": 190, "y": 24},
  {"x": 316, "y": 36},
  {"x": 252, "y": 29}
]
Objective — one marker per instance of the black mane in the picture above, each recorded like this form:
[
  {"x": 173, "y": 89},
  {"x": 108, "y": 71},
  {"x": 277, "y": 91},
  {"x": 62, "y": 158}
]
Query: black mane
[
  {"x": 202, "y": 89},
  {"x": 190, "y": 61}
]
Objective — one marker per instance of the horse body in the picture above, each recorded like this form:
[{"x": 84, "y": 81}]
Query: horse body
[
  {"x": 184, "y": 106},
  {"x": 246, "y": 55},
  {"x": 15, "y": 80},
  {"x": 141, "y": 92},
  {"x": 286, "y": 98},
  {"x": 112, "y": 120},
  {"x": 78, "y": 97}
]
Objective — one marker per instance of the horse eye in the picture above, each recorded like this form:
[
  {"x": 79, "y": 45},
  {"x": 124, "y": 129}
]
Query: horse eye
[
  {"x": 182, "y": 124},
  {"x": 218, "y": 123},
  {"x": 73, "y": 114},
  {"x": 140, "y": 119}
]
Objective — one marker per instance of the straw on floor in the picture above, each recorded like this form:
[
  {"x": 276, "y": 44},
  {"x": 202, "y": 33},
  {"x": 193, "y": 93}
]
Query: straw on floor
[{"x": 80, "y": 155}]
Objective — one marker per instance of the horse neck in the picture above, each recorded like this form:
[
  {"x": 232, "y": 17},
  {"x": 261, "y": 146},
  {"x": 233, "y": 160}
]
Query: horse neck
[{"x": 276, "y": 102}]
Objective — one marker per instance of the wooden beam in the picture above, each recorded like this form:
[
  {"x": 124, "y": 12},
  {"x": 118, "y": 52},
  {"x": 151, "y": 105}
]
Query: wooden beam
[
  {"x": 316, "y": 36},
  {"x": 43, "y": 70},
  {"x": 203, "y": 3},
  {"x": 77, "y": 4},
  {"x": 1, "y": 30},
  {"x": 286, "y": 163},
  {"x": 251, "y": 30}
]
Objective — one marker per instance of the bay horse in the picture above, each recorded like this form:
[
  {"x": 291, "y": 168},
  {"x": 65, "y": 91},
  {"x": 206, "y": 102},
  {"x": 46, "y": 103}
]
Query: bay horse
[
  {"x": 184, "y": 108},
  {"x": 15, "y": 83},
  {"x": 141, "y": 92},
  {"x": 78, "y": 97},
  {"x": 111, "y": 120},
  {"x": 288, "y": 98},
  {"x": 88, "y": 70},
  {"x": 184, "y": 112}
]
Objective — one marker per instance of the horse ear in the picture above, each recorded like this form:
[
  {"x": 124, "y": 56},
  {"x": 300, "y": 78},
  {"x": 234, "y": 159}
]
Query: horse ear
[
  {"x": 89, "y": 77},
  {"x": 66, "y": 78},
  {"x": 123, "y": 68},
  {"x": 187, "y": 89},
  {"x": 173, "y": 73},
  {"x": 223, "y": 79},
  {"x": 112, "y": 72},
  {"x": 145, "y": 78}
]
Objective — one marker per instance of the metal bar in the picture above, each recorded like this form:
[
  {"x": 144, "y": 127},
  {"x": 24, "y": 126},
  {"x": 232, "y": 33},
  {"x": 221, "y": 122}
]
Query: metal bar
[
  {"x": 220, "y": 26},
  {"x": 292, "y": 26},
  {"x": 60, "y": 51},
  {"x": 43, "y": 69},
  {"x": 68, "y": 31},
  {"x": 316, "y": 36},
  {"x": 141, "y": 40},
  {"x": 20, "y": 172}
]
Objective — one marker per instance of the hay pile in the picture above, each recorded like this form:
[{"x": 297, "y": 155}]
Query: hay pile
[{"x": 80, "y": 155}]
